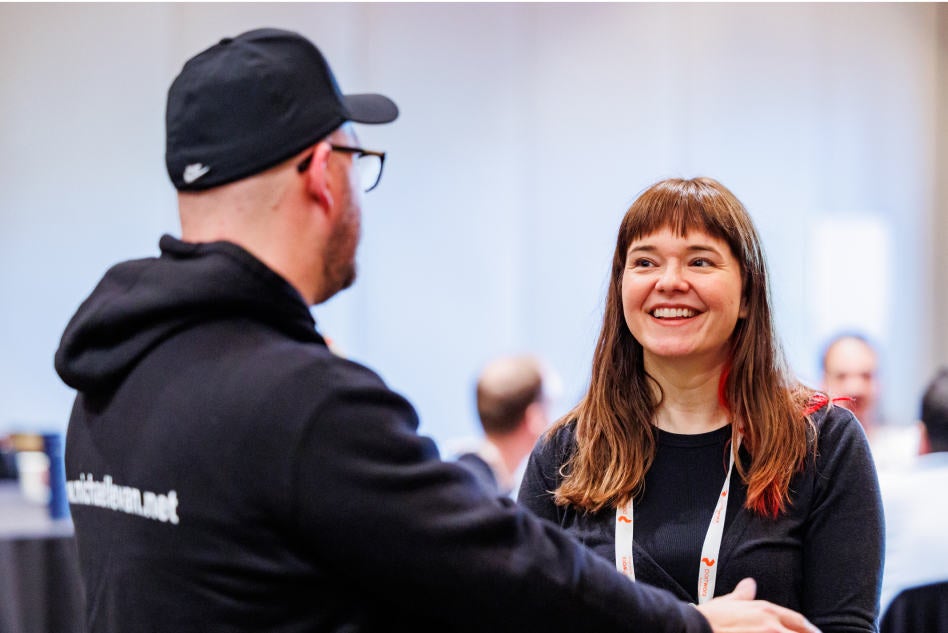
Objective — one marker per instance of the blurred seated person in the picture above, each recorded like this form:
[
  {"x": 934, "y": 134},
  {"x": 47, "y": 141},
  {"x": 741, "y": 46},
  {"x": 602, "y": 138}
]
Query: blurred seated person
[
  {"x": 512, "y": 409},
  {"x": 914, "y": 501},
  {"x": 850, "y": 363},
  {"x": 7, "y": 458}
]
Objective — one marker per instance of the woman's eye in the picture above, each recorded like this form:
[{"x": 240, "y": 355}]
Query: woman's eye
[
  {"x": 642, "y": 263},
  {"x": 701, "y": 262}
]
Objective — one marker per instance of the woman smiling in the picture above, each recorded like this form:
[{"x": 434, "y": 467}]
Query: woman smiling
[{"x": 696, "y": 458}]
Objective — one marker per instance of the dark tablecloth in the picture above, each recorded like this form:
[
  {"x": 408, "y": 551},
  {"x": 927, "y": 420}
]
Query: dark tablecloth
[{"x": 40, "y": 587}]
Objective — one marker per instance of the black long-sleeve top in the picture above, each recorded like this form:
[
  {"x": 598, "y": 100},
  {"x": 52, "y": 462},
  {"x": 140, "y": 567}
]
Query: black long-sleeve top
[{"x": 822, "y": 557}]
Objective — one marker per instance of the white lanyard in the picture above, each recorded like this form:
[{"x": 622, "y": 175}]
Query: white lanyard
[{"x": 708, "y": 568}]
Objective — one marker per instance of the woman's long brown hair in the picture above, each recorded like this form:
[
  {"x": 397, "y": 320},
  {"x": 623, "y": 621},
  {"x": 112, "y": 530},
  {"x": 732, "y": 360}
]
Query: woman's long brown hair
[{"x": 614, "y": 432}]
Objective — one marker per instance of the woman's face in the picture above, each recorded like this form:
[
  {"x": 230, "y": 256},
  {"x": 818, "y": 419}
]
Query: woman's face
[{"x": 681, "y": 296}]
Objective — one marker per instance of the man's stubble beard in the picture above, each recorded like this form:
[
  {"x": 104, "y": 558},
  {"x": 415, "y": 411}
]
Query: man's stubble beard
[{"x": 339, "y": 266}]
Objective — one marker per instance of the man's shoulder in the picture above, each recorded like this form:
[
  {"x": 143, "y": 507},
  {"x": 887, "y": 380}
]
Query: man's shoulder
[
  {"x": 895, "y": 446},
  {"x": 918, "y": 477},
  {"x": 480, "y": 468},
  {"x": 304, "y": 365},
  {"x": 248, "y": 365},
  {"x": 256, "y": 347}
]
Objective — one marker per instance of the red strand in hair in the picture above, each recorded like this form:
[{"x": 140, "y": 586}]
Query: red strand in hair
[
  {"x": 722, "y": 399},
  {"x": 817, "y": 402},
  {"x": 820, "y": 400},
  {"x": 769, "y": 502}
]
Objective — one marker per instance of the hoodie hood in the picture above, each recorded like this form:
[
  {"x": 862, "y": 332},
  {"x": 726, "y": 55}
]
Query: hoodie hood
[{"x": 140, "y": 303}]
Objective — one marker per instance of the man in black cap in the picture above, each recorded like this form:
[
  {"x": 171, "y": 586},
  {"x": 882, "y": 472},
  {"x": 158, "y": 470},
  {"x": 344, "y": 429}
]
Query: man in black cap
[{"x": 227, "y": 472}]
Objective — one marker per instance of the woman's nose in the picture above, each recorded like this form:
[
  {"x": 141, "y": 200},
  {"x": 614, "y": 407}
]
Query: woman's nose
[{"x": 671, "y": 280}]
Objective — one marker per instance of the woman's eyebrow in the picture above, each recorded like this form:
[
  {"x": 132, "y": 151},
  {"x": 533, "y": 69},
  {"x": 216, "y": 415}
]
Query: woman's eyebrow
[
  {"x": 704, "y": 248},
  {"x": 694, "y": 248}
]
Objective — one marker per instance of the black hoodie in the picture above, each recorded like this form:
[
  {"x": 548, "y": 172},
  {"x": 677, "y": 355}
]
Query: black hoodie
[{"x": 227, "y": 472}]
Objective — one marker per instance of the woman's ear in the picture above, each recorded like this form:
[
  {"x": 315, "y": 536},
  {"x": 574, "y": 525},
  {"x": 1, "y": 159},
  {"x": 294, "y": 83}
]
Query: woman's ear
[{"x": 317, "y": 175}]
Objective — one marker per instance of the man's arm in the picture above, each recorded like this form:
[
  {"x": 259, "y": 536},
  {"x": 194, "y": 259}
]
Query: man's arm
[{"x": 378, "y": 506}]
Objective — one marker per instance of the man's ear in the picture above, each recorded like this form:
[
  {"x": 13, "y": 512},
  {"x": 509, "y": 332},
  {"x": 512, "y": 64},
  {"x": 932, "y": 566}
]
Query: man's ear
[
  {"x": 924, "y": 444},
  {"x": 537, "y": 418},
  {"x": 317, "y": 175}
]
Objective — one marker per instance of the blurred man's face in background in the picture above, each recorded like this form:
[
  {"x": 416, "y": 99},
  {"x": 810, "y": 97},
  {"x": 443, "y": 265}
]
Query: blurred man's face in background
[{"x": 851, "y": 369}]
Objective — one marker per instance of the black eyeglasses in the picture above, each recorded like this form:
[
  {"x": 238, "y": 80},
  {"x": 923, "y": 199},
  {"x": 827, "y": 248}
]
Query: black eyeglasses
[{"x": 368, "y": 163}]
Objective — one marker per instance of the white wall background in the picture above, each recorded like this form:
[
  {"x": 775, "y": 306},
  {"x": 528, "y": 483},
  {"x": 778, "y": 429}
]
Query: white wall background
[{"x": 526, "y": 131}]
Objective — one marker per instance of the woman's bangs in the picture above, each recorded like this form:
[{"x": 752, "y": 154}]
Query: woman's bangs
[{"x": 675, "y": 211}]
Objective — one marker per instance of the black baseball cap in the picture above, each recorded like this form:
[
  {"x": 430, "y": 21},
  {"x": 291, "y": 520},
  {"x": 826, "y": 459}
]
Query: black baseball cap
[{"x": 252, "y": 101}]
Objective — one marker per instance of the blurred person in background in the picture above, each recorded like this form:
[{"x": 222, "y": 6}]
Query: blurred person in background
[
  {"x": 916, "y": 509},
  {"x": 7, "y": 458},
  {"x": 850, "y": 376},
  {"x": 695, "y": 458},
  {"x": 850, "y": 365},
  {"x": 512, "y": 409},
  {"x": 228, "y": 472}
]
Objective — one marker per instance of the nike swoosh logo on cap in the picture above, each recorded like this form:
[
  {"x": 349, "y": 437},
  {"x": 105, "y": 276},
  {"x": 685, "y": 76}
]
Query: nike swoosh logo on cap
[{"x": 194, "y": 171}]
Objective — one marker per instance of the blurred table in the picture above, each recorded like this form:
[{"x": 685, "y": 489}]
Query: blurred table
[{"x": 40, "y": 588}]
